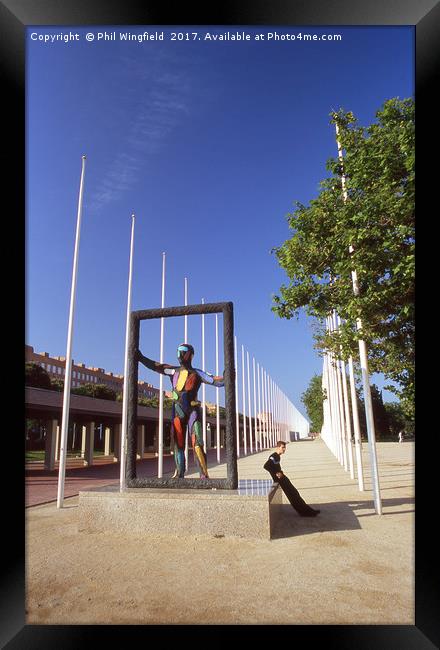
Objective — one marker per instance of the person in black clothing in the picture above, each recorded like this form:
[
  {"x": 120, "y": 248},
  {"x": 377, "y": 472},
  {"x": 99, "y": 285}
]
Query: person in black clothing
[{"x": 272, "y": 465}]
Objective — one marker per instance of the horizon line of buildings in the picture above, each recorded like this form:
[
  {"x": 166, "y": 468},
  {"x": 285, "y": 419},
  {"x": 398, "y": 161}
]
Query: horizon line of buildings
[
  {"x": 55, "y": 366},
  {"x": 81, "y": 374}
]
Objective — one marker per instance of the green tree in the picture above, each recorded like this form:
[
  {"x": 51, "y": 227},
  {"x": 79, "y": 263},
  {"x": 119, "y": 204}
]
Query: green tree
[
  {"x": 380, "y": 415},
  {"x": 57, "y": 384},
  {"x": 377, "y": 220},
  {"x": 313, "y": 399},
  {"x": 212, "y": 411},
  {"x": 100, "y": 391},
  {"x": 36, "y": 375},
  {"x": 397, "y": 419},
  {"x": 154, "y": 402}
]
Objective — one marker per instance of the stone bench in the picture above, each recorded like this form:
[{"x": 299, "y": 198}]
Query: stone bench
[{"x": 251, "y": 511}]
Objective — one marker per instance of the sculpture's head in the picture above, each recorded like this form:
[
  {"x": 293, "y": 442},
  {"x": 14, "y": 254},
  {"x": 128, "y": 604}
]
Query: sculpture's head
[{"x": 185, "y": 353}]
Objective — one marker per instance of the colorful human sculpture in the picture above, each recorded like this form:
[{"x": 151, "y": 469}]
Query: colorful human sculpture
[{"x": 186, "y": 411}]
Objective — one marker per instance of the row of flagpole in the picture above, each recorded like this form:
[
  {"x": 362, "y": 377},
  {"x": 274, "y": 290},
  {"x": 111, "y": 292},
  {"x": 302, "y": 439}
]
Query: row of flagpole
[
  {"x": 263, "y": 425},
  {"x": 274, "y": 418},
  {"x": 337, "y": 432},
  {"x": 271, "y": 417}
]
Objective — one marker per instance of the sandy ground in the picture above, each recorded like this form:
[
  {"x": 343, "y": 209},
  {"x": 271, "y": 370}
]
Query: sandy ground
[{"x": 346, "y": 566}]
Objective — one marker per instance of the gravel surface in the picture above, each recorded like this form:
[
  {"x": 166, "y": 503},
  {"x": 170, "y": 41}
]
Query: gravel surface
[{"x": 346, "y": 566}]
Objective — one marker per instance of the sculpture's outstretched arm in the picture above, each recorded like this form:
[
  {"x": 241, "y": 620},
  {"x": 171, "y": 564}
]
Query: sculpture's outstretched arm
[
  {"x": 162, "y": 368},
  {"x": 207, "y": 378}
]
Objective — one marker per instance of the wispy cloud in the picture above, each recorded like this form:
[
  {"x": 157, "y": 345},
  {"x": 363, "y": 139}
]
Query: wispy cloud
[{"x": 156, "y": 102}]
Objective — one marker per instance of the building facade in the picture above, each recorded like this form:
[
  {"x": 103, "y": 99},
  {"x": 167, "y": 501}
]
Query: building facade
[{"x": 82, "y": 374}]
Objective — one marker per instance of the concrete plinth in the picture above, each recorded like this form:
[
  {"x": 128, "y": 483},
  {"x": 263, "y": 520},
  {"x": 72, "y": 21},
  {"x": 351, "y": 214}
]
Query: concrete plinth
[{"x": 250, "y": 512}]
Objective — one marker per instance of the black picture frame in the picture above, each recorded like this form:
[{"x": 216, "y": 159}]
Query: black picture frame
[
  {"x": 15, "y": 16},
  {"x": 136, "y": 317}
]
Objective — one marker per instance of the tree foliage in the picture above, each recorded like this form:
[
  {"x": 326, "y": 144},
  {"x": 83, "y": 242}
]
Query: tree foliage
[
  {"x": 389, "y": 418},
  {"x": 154, "y": 402},
  {"x": 100, "y": 391},
  {"x": 380, "y": 414},
  {"x": 313, "y": 399},
  {"x": 57, "y": 384},
  {"x": 36, "y": 376},
  {"x": 377, "y": 221},
  {"x": 211, "y": 410},
  {"x": 397, "y": 419}
]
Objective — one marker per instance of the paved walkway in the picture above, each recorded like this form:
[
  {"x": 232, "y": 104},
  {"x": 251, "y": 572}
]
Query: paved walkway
[{"x": 346, "y": 566}]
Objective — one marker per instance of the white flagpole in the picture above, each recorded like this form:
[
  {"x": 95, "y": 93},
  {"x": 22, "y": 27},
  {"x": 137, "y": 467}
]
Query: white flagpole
[
  {"x": 335, "y": 409},
  {"x": 263, "y": 429},
  {"x": 281, "y": 411},
  {"x": 277, "y": 398},
  {"x": 244, "y": 401},
  {"x": 328, "y": 403},
  {"x": 269, "y": 437},
  {"x": 335, "y": 417},
  {"x": 272, "y": 410},
  {"x": 347, "y": 418},
  {"x": 249, "y": 405},
  {"x": 203, "y": 385},
  {"x": 186, "y": 317},
  {"x": 277, "y": 395},
  {"x": 237, "y": 416},
  {"x": 185, "y": 336},
  {"x": 347, "y": 411},
  {"x": 264, "y": 408},
  {"x": 272, "y": 434},
  {"x": 357, "y": 429},
  {"x": 363, "y": 354},
  {"x": 337, "y": 381},
  {"x": 340, "y": 402},
  {"x": 125, "y": 393},
  {"x": 282, "y": 418},
  {"x": 259, "y": 406},
  {"x": 68, "y": 375},
  {"x": 217, "y": 397},
  {"x": 162, "y": 325},
  {"x": 255, "y": 406}
]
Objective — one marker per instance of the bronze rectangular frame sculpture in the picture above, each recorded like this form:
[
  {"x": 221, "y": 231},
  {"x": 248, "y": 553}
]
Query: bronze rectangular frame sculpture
[{"x": 229, "y": 483}]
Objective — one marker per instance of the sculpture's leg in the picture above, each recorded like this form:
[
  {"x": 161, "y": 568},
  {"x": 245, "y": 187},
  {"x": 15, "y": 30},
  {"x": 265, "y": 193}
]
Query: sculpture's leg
[
  {"x": 179, "y": 428},
  {"x": 195, "y": 426}
]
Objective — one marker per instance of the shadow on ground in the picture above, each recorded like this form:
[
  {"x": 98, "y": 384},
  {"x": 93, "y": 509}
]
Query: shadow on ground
[
  {"x": 386, "y": 505},
  {"x": 342, "y": 515},
  {"x": 333, "y": 516}
]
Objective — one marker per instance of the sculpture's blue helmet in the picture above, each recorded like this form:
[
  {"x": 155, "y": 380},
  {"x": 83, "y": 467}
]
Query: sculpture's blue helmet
[{"x": 185, "y": 353}]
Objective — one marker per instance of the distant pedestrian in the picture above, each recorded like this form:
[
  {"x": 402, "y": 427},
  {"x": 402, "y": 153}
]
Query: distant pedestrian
[
  {"x": 400, "y": 436},
  {"x": 272, "y": 465}
]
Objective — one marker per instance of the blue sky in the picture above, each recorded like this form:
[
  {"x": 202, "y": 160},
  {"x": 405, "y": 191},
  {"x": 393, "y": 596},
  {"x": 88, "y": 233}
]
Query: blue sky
[{"x": 209, "y": 143}]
